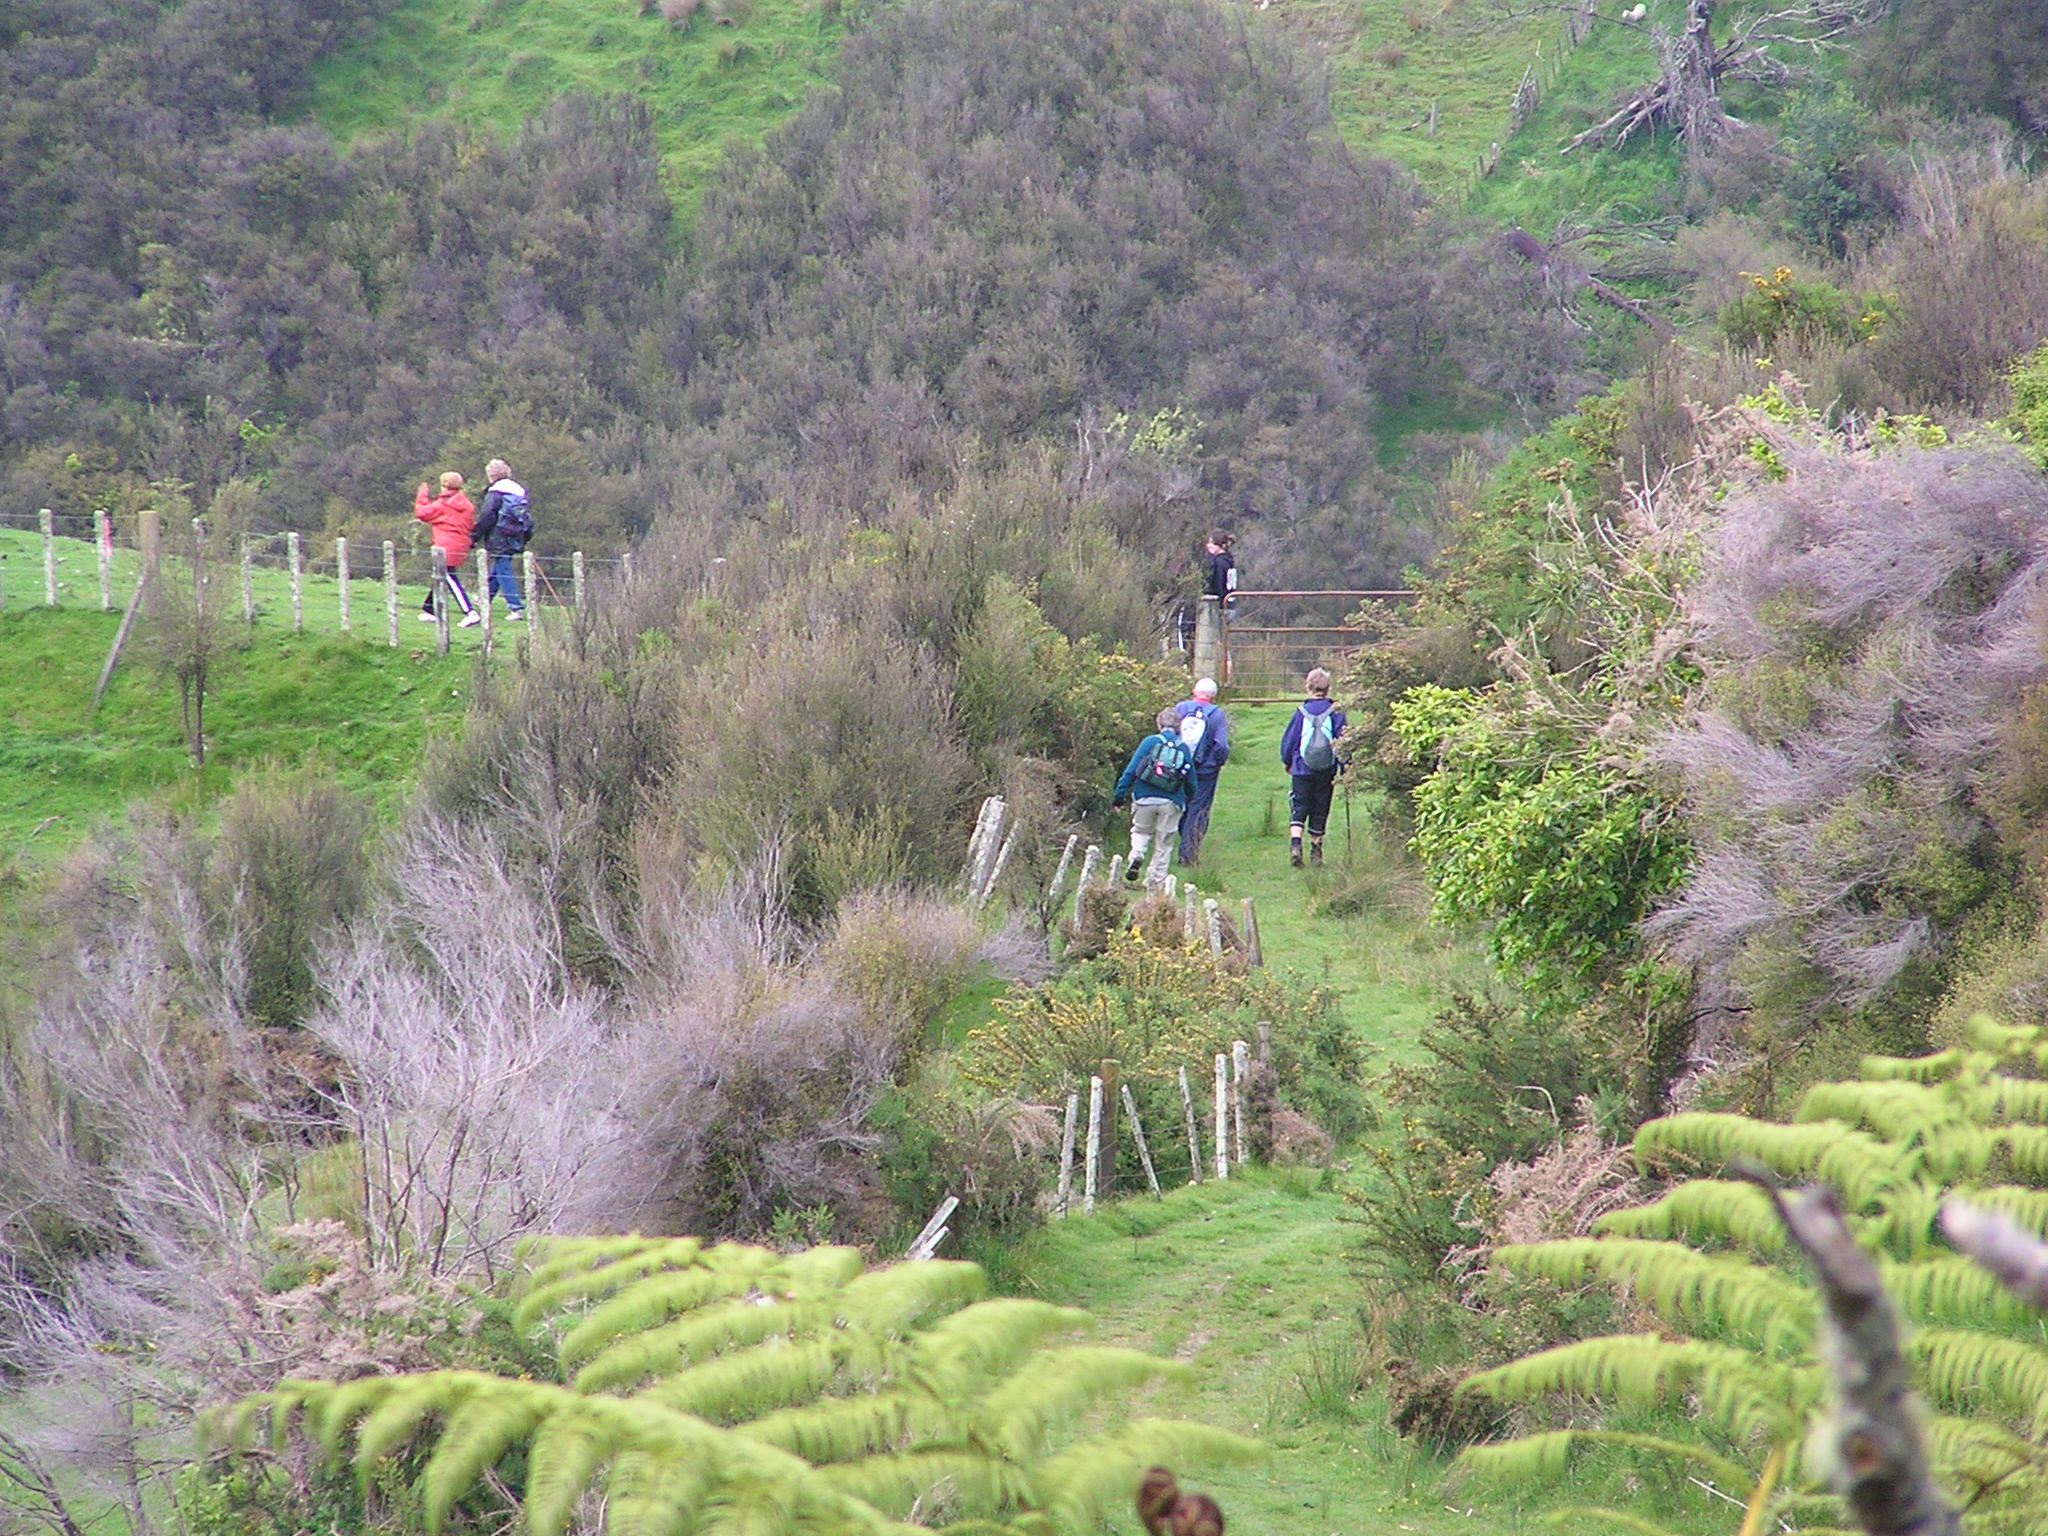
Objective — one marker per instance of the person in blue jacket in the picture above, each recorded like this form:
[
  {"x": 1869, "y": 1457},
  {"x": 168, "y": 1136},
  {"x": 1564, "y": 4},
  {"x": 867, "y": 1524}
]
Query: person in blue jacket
[
  {"x": 1206, "y": 732},
  {"x": 1308, "y": 750},
  {"x": 1156, "y": 781}
]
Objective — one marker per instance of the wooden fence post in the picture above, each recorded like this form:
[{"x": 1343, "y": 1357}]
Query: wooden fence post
[
  {"x": 440, "y": 600},
  {"x": 527, "y": 570},
  {"x": 1094, "y": 1161},
  {"x": 483, "y": 587},
  {"x": 103, "y": 542},
  {"x": 248, "y": 564},
  {"x": 291, "y": 546},
  {"x": 1138, "y": 1133},
  {"x": 47, "y": 519},
  {"x": 1222, "y": 1128},
  {"x": 1116, "y": 872},
  {"x": 926, "y": 1243},
  {"x": 1212, "y": 916},
  {"x": 1059, "y": 876},
  {"x": 1187, "y": 1104},
  {"x": 391, "y": 592},
  {"x": 1089, "y": 861},
  {"x": 1065, "y": 1192},
  {"x": 1002, "y": 858},
  {"x": 1111, "y": 1071},
  {"x": 341, "y": 570},
  {"x": 626, "y": 567},
  {"x": 1254, "y": 949},
  {"x": 576, "y": 579}
]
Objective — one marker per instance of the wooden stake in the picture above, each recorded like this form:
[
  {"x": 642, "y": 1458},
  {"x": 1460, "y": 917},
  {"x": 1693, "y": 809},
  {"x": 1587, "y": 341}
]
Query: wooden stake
[
  {"x": 1002, "y": 858},
  {"x": 1222, "y": 1136},
  {"x": 1240, "y": 1066},
  {"x": 527, "y": 571},
  {"x": 926, "y": 1243},
  {"x": 1138, "y": 1133},
  {"x": 440, "y": 599},
  {"x": 1089, "y": 861},
  {"x": 391, "y": 593},
  {"x": 341, "y": 570},
  {"x": 291, "y": 546},
  {"x": 1066, "y": 1185},
  {"x": 1212, "y": 915},
  {"x": 1094, "y": 1145},
  {"x": 483, "y": 588},
  {"x": 1187, "y": 1104},
  {"x": 1254, "y": 950},
  {"x": 576, "y": 578},
  {"x": 248, "y": 583},
  {"x": 46, "y": 518},
  {"x": 1116, "y": 871},
  {"x": 1059, "y": 876},
  {"x": 103, "y": 541}
]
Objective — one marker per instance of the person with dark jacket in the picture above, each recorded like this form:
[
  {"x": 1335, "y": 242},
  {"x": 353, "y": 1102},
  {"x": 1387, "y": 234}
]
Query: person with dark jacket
[
  {"x": 1206, "y": 731},
  {"x": 503, "y": 525},
  {"x": 1219, "y": 576},
  {"x": 451, "y": 516},
  {"x": 1308, "y": 751},
  {"x": 1156, "y": 782}
]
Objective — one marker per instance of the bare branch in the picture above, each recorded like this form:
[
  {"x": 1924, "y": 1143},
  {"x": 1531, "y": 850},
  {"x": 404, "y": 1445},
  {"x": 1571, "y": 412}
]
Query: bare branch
[{"x": 2014, "y": 1255}]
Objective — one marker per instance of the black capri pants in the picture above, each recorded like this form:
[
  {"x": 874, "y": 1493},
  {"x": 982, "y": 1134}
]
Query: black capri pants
[{"x": 1308, "y": 800}]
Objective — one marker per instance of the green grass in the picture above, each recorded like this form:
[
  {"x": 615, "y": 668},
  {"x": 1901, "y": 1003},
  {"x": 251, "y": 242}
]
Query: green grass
[
  {"x": 490, "y": 64},
  {"x": 365, "y": 711},
  {"x": 1252, "y": 1280}
]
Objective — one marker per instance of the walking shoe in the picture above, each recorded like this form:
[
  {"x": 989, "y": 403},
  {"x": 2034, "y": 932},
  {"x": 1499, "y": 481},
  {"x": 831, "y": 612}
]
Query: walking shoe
[
  {"x": 471, "y": 621},
  {"x": 1134, "y": 874},
  {"x": 426, "y": 618},
  {"x": 1294, "y": 852},
  {"x": 516, "y": 616},
  {"x": 1315, "y": 854}
]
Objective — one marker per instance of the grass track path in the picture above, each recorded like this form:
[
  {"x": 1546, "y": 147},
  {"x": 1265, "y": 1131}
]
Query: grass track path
[{"x": 1251, "y": 1281}]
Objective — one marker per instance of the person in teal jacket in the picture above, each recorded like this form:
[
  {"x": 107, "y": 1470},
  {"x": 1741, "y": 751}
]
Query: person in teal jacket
[{"x": 1157, "y": 782}]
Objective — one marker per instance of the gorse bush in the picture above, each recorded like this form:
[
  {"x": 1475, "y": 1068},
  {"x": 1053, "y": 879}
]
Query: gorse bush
[
  {"x": 732, "y": 1389},
  {"x": 1733, "y": 1364}
]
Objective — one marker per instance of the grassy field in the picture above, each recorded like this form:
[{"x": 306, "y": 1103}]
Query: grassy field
[
  {"x": 1252, "y": 1280},
  {"x": 354, "y": 703},
  {"x": 490, "y": 64}
]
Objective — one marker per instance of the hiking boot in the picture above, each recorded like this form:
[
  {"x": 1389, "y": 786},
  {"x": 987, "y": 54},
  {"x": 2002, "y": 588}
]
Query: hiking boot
[
  {"x": 1294, "y": 852},
  {"x": 471, "y": 621},
  {"x": 1315, "y": 854},
  {"x": 1134, "y": 874}
]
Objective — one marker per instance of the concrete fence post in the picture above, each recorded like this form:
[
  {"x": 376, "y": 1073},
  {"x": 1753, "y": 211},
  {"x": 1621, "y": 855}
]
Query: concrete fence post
[
  {"x": 391, "y": 592},
  {"x": 48, "y": 520},
  {"x": 1187, "y": 1106},
  {"x": 1240, "y": 1068},
  {"x": 103, "y": 543},
  {"x": 626, "y": 567},
  {"x": 341, "y": 572},
  {"x": 1208, "y": 652},
  {"x": 1094, "y": 1160},
  {"x": 527, "y": 572},
  {"x": 576, "y": 579},
  {"x": 298, "y": 565},
  {"x": 1065, "y": 1192},
  {"x": 483, "y": 587},
  {"x": 248, "y": 564},
  {"x": 1221, "y": 1130}
]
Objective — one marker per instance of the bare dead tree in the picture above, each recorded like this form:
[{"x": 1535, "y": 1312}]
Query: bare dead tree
[{"x": 1693, "y": 69}]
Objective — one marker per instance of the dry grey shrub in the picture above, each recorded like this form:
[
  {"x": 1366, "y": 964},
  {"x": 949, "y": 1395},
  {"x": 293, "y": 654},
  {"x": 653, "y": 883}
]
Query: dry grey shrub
[
  {"x": 1864, "y": 626},
  {"x": 1561, "y": 1194}
]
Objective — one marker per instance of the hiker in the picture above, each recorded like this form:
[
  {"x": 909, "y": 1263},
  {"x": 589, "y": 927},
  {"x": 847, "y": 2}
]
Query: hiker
[
  {"x": 1206, "y": 733},
  {"x": 503, "y": 525},
  {"x": 1308, "y": 751},
  {"x": 1220, "y": 571},
  {"x": 1156, "y": 781},
  {"x": 451, "y": 517}
]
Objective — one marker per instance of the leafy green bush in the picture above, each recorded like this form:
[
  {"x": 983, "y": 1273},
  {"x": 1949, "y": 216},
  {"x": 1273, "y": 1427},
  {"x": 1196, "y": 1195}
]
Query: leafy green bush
[
  {"x": 1780, "y": 307},
  {"x": 2028, "y": 380}
]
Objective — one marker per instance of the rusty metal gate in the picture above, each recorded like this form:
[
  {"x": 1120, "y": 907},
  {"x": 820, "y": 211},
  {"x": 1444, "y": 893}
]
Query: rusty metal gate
[{"x": 1271, "y": 639}]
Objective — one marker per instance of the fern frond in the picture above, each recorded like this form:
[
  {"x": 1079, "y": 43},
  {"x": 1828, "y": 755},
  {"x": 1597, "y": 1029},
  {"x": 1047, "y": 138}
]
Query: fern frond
[
  {"x": 483, "y": 1429},
  {"x": 573, "y": 1268},
  {"x": 406, "y": 1406},
  {"x": 1548, "y": 1454},
  {"x": 1019, "y": 1416},
  {"x": 893, "y": 1298},
  {"x": 1856, "y": 1163},
  {"x": 991, "y": 1336},
  {"x": 1975, "y": 1451},
  {"x": 566, "y": 1453},
  {"x": 1741, "y": 1391},
  {"x": 1960, "y": 1367},
  {"x": 773, "y": 1374},
  {"x": 736, "y": 1323},
  {"x": 1947, "y": 1289},
  {"x": 845, "y": 1428},
  {"x": 1703, "y": 1293},
  {"x": 897, "y": 1480},
  {"x": 652, "y": 1492},
  {"x": 653, "y": 1300},
  {"x": 1716, "y": 1208}
]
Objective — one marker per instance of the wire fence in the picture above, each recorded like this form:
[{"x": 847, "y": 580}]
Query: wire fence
[
  {"x": 314, "y": 584},
  {"x": 1540, "y": 75}
]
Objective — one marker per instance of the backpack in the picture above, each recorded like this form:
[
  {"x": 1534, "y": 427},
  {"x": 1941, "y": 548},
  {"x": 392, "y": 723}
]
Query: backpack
[
  {"x": 1167, "y": 770},
  {"x": 1318, "y": 749},
  {"x": 515, "y": 517},
  {"x": 1194, "y": 729}
]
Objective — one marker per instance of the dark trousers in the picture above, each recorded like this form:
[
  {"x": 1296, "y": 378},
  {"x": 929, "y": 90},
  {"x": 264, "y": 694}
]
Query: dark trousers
[
  {"x": 1196, "y": 822},
  {"x": 1308, "y": 800},
  {"x": 454, "y": 585}
]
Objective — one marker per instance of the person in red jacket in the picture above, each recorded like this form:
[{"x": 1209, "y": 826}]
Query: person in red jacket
[{"x": 451, "y": 517}]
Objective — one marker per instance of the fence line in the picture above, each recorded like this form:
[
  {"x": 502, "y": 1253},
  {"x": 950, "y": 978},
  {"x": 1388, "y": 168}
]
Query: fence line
[
  {"x": 1537, "y": 79},
  {"x": 284, "y": 553}
]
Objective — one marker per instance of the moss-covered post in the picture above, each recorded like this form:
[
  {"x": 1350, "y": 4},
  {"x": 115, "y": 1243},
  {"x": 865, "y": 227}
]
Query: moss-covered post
[
  {"x": 528, "y": 573},
  {"x": 576, "y": 578},
  {"x": 1094, "y": 1162},
  {"x": 439, "y": 597},
  {"x": 1222, "y": 1127},
  {"x": 1208, "y": 652}
]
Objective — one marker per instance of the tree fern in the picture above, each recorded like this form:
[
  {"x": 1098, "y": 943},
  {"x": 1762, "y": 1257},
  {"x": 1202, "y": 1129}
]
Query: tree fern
[
  {"x": 1737, "y": 1360},
  {"x": 730, "y": 1391}
]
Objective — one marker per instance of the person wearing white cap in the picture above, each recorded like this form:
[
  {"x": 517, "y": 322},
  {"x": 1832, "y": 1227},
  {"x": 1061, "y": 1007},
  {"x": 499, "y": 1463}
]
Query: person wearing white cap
[{"x": 1206, "y": 730}]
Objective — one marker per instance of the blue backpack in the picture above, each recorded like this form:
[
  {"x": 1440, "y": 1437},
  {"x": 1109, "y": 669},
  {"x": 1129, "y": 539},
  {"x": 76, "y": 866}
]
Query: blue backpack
[
  {"x": 515, "y": 517},
  {"x": 1318, "y": 749},
  {"x": 1167, "y": 769}
]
